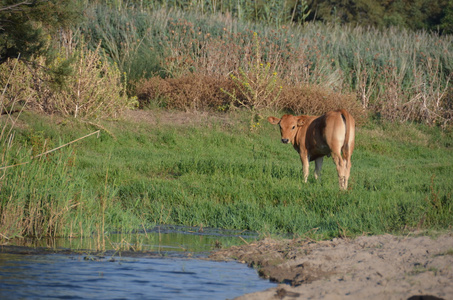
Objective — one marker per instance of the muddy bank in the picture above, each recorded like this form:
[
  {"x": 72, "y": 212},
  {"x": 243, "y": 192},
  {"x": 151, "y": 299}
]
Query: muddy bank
[{"x": 368, "y": 267}]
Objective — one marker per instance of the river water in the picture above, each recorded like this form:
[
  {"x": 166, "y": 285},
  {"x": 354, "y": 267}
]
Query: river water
[{"x": 174, "y": 269}]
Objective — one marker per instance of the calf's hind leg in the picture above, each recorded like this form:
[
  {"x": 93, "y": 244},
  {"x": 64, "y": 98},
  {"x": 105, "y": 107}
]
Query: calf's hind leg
[
  {"x": 318, "y": 167},
  {"x": 341, "y": 169},
  {"x": 347, "y": 163}
]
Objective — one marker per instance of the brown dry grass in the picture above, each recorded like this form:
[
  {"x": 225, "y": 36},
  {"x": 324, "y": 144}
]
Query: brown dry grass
[
  {"x": 316, "y": 100},
  {"x": 199, "y": 92},
  {"x": 190, "y": 92}
]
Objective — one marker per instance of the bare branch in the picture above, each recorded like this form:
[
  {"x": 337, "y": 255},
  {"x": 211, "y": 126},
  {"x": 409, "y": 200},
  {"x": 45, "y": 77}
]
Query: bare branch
[{"x": 15, "y": 6}]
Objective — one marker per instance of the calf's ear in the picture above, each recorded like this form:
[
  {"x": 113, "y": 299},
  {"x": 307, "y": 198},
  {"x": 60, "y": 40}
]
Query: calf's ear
[
  {"x": 273, "y": 120},
  {"x": 300, "y": 122}
]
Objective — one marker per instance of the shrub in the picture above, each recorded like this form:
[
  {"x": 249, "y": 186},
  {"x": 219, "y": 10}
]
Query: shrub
[
  {"x": 200, "y": 92},
  {"x": 191, "y": 92},
  {"x": 95, "y": 88},
  {"x": 316, "y": 100},
  {"x": 81, "y": 84},
  {"x": 258, "y": 85},
  {"x": 17, "y": 82}
]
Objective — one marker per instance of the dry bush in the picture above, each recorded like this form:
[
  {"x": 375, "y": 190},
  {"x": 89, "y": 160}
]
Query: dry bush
[
  {"x": 316, "y": 100},
  {"x": 191, "y": 92},
  {"x": 201, "y": 92}
]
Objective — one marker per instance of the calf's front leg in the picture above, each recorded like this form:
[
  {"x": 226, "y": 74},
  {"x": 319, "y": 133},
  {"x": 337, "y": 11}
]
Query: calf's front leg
[{"x": 305, "y": 165}]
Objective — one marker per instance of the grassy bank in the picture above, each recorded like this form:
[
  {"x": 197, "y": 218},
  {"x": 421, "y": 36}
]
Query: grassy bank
[
  {"x": 225, "y": 170},
  {"x": 191, "y": 169}
]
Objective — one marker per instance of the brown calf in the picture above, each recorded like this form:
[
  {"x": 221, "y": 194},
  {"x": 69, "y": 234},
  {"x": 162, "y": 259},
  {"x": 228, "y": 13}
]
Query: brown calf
[{"x": 315, "y": 137}]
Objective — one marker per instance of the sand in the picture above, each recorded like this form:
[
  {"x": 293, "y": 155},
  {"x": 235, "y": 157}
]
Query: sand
[{"x": 367, "y": 267}]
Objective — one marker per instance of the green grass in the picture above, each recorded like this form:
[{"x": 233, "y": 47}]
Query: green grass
[
  {"x": 219, "y": 174},
  {"x": 224, "y": 176}
]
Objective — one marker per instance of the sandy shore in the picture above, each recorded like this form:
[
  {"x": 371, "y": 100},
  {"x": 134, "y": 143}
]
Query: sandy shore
[{"x": 368, "y": 267}]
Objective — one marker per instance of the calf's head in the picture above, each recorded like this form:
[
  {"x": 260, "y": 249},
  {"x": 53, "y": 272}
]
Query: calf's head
[{"x": 288, "y": 126}]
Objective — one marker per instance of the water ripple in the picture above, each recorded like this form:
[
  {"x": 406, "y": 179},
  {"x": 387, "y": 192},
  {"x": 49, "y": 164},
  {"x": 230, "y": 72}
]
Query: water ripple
[{"x": 71, "y": 277}]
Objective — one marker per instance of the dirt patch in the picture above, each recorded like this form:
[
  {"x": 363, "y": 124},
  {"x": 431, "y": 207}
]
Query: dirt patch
[{"x": 368, "y": 267}]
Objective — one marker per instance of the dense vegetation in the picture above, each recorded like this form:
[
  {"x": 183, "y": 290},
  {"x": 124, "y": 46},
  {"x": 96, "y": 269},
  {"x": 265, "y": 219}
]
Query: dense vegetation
[
  {"x": 239, "y": 63},
  {"x": 395, "y": 74}
]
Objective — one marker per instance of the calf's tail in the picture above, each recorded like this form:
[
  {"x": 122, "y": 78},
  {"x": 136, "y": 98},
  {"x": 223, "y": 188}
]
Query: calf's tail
[{"x": 349, "y": 136}]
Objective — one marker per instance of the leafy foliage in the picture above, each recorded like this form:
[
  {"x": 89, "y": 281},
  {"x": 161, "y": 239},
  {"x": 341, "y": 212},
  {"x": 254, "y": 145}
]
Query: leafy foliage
[{"x": 25, "y": 25}]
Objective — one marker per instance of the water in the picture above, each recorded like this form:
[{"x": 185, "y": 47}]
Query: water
[
  {"x": 163, "y": 239},
  {"x": 146, "y": 275}
]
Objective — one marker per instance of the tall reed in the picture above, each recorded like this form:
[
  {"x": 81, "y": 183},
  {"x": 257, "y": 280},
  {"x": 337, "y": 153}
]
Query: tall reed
[
  {"x": 48, "y": 197},
  {"x": 276, "y": 12},
  {"x": 397, "y": 74},
  {"x": 28, "y": 189}
]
